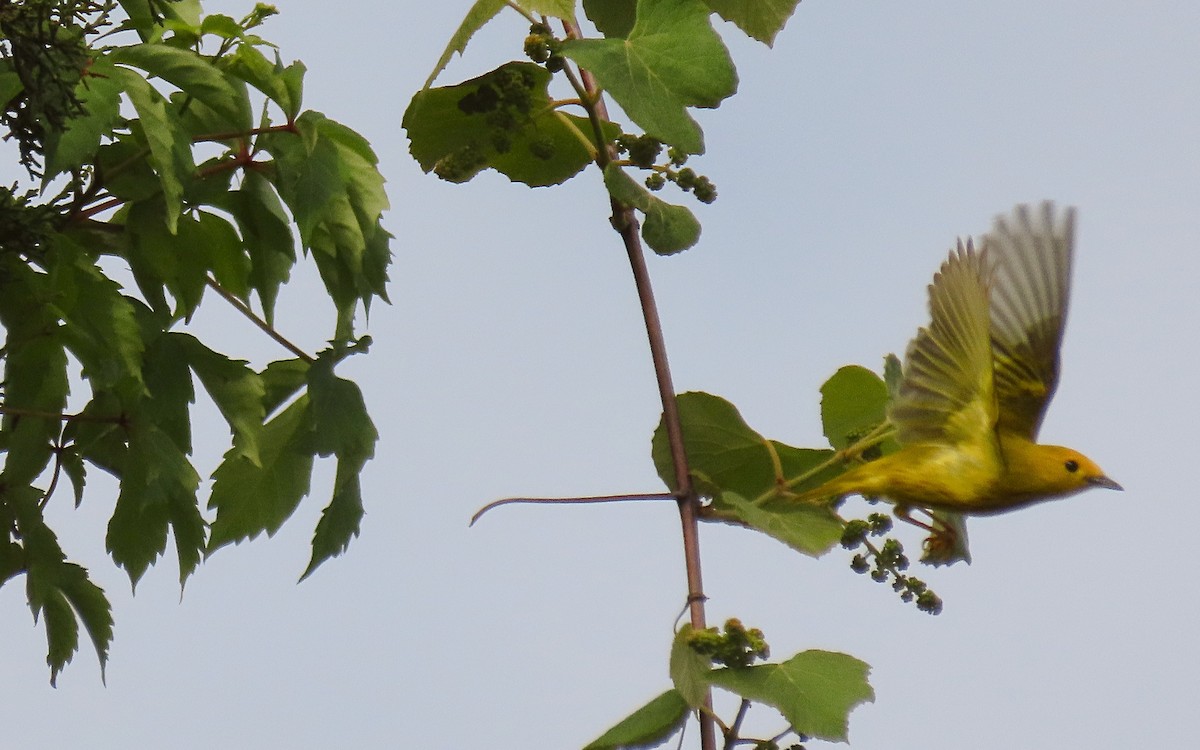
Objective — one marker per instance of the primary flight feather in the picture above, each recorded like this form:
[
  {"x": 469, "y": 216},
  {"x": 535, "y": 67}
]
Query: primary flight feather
[{"x": 976, "y": 382}]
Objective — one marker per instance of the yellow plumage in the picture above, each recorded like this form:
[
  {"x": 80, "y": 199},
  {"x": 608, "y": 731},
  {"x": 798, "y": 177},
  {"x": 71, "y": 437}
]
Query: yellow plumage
[{"x": 976, "y": 383}]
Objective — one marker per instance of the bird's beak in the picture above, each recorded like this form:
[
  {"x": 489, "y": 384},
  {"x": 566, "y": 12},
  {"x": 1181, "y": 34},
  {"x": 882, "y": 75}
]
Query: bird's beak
[{"x": 1103, "y": 481}]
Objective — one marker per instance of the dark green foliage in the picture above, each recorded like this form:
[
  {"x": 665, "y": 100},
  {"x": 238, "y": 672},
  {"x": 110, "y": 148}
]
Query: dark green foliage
[{"x": 133, "y": 194}]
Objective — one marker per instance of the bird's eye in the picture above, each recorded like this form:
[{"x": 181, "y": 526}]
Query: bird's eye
[{"x": 1072, "y": 466}]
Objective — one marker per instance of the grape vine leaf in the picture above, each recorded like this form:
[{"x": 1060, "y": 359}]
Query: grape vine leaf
[
  {"x": 853, "y": 402},
  {"x": 503, "y": 120},
  {"x": 742, "y": 471},
  {"x": 667, "y": 228},
  {"x": 759, "y": 19},
  {"x": 613, "y": 18},
  {"x": 649, "y": 726},
  {"x": 672, "y": 59},
  {"x": 689, "y": 669},
  {"x": 814, "y": 690}
]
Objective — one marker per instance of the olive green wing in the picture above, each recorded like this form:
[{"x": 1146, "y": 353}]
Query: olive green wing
[
  {"x": 945, "y": 393},
  {"x": 1030, "y": 254}
]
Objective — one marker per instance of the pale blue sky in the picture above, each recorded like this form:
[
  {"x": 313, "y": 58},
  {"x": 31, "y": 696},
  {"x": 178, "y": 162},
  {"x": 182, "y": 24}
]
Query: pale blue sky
[{"x": 513, "y": 362}]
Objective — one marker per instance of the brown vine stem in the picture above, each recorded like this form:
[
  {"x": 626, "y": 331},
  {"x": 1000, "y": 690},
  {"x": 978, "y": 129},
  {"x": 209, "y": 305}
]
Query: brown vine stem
[
  {"x": 253, "y": 318},
  {"x": 626, "y": 223}
]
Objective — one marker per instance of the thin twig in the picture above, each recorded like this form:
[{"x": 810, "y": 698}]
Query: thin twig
[
  {"x": 731, "y": 735},
  {"x": 262, "y": 324},
  {"x": 571, "y": 501}
]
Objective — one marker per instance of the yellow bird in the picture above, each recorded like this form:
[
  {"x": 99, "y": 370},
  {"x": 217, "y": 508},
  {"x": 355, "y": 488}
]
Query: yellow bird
[{"x": 975, "y": 383}]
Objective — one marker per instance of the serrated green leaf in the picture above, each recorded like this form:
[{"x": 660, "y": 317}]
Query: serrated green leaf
[
  {"x": 35, "y": 371},
  {"x": 667, "y": 228},
  {"x": 267, "y": 236},
  {"x": 853, "y": 402},
  {"x": 613, "y": 18},
  {"x": 502, "y": 120},
  {"x": 340, "y": 422},
  {"x": 99, "y": 324},
  {"x": 236, "y": 390},
  {"x": 167, "y": 138},
  {"x": 227, "y": 259},
  {"x": 251, "y": 499},
  {"x": 760, "y": 19},
  {"x": 72, "y": 465},
  {"x": 58, "y": 590},
  {"x": 478, "y": 15},
  {"x": 689, "y": 669},
  {"x": 814, "y": 690},
  {"x": 272, "y": 79},
  {"x": 99, "y": 95},
  {"x": 649, "y": 726},
  {"x": 327, "y": 176},
  {"x": 193, "y": 74},
  {"x": 341, "y": 518},
  {"x": 221, "y": 25},
  {"x": 169, "y": 392},
  {"x": 670, "y": 60},
  {"x": 282, "y": 379},
  {"x": 158, "y": 491}
]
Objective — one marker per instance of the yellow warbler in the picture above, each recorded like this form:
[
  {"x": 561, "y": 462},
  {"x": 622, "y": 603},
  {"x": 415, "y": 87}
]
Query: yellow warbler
[{"x": 976, "y": 382}]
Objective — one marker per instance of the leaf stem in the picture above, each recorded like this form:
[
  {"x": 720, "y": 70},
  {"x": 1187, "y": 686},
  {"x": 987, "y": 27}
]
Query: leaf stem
[
  {"x": 253, "y": 318},
  {"x": 626, "y": 224}
]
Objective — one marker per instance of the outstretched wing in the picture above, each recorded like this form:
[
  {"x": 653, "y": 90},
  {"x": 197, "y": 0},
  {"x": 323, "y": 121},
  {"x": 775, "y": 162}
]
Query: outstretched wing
[
  {"x": 945, "y": 393},
  {"x": 1029, "y": 253}
]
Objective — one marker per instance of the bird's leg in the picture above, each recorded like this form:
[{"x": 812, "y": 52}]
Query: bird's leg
[{"x": 942, "y": 539}]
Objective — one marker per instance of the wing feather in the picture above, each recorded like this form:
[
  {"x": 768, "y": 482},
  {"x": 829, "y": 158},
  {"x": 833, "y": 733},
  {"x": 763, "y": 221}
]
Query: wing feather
[
  {"x": 1030, "y": 255},
  {"x": 946, "y": 393}
]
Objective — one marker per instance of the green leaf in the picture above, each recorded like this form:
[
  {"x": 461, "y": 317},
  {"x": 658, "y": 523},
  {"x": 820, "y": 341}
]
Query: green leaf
[
  {"x": 282, "y": 379},
  {"x": 236, "y": 389},
  {"x": 478, "y": 15},
  {"x": 281, "y": 85},
  {"x": 649, "y": 726},
  {"x": 341, "y": 518},
  {"x": 35, "y": 370},
  {"x": 168, "y": 140},
  {"x": 59, "y": 592},
  {"x": 814, "y": 690},
  {"x": 667, "y": 229},
  {"x": 671, "y": 60},
  {"x": 339, "y": 415},
  {"x": 10, "y": 85},
  {"x": 194, "y": 75},
  {"x": 853, "y": 402},
  {"x": 267, "y": 236},
  {"x": 328, "y": 177},
  {"x": 812, "y": 530},
  {"x": 250, "y": 499},
  {"x": 760, "y": 19},
  {"x": 100, "y": 96},
  {"x": 503, "y": 120},
  {"x": 743, "y": 473},
  {"x": 169, "y": 390},
  {"x": 553, "y": 8},
  {"x": 72, "y": 466},
  {"x": 614, "y": 18},
  {"x": 99, "y": 323},
  {"x": 689, "y": 669},
  {"x": 158, "y": 491}
]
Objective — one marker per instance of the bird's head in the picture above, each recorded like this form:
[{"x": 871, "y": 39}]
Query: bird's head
[{"x": 1069, "y": 471}]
